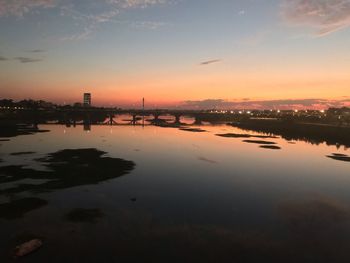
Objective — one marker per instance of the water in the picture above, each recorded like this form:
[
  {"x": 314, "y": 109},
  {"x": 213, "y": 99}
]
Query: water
[{"x": 184, "y": 196}]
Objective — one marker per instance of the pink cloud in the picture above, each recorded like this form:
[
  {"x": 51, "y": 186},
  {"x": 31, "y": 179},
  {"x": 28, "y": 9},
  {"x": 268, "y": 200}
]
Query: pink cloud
[
  {"x": 136, "y": 3},
  {"x": 325, "y": 16},
  {"x": 21, "y": 7}
]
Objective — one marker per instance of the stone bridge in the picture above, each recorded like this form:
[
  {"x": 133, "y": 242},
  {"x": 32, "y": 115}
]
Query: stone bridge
[
  {"x": 73, "y": 116},
  {"x": 154, "y": 116}
]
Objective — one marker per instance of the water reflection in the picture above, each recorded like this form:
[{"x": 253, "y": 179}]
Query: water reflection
[
  {"x": 313, "y": 134},
  {"x": 22, "y": 153},
  {"x": 18, "y": 208},
  {"x": 83, "y": 215},
  {"x": 87, "y": 126},
  {"x": 66, "y": 168},
  {"x": 259, "y": 142},
  {"x": 318, "y": 229},
  {"x": 270, "y": 147},
  {"x": 12, "y": 130},
  {"x": 244, "y": 135},
  {"x": 340, "y": 157},
  {"x": 192, "y": 129},
  {"x": 189, "y": 196}
]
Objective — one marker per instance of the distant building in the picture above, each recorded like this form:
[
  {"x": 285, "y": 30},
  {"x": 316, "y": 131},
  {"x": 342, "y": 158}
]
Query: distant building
[{"x": 87, "y": 99}]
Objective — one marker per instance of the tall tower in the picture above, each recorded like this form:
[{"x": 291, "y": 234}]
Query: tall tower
[{"x": 87, "y": 100}]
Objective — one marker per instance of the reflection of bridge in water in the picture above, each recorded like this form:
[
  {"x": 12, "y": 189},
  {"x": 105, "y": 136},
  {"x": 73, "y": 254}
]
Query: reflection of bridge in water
[
  {"x": 101, "y": 116},
  {"x": 153, "y": 118},
  {"x": 290, "y": 126},
  {"x": 143, "y": 117}
]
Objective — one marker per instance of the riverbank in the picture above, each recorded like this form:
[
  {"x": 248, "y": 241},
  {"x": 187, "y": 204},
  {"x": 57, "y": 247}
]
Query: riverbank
[{"x": 311, "y": 132}]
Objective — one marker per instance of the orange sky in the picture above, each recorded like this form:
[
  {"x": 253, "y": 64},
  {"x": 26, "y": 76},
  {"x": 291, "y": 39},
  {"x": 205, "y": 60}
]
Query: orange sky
[{"x": 172, "y": 53}]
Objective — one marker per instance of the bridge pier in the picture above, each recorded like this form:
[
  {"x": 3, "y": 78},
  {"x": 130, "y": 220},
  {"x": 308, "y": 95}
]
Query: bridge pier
[
  {"x": 197, "y": 120},
  {"x": 134, "y": 119},
  {"x": 110, "y": 122},
  {"x": 177, "y": 118},
  {"x": 67, "y": 120},
  {"x": 156, "y": 116},
  {"x": 156, "y": 119}
]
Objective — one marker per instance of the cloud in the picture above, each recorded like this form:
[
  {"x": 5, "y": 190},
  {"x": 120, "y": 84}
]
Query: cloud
[
  {"x": 88, "y": 15},
  {"x": 210, "y": 62},
  {"x": 3, "y": 58},
  {"x": 28, "y": 60},
  {"x": 85, "y": 34},
  {"x": 20, "y": 7},
  {"x": 108, "y": 12},
  {"x": 265, "y": 104},
  {"x": 204, "y": 159},
  {"x": 206, "y": 104},
  {"x": 36, "y": 51},
  {"x": 325, "y": 16},
  {"x": 88, "y": 31},
  {"x": 151, "y": 25},
  {"x": 136, "y": 3}
]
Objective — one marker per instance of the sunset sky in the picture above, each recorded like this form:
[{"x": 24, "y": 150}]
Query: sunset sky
[{"x": 177, "y": 53}]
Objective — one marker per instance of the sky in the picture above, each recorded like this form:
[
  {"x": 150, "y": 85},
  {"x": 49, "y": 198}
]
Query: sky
[{"x": 177, "y": 53}]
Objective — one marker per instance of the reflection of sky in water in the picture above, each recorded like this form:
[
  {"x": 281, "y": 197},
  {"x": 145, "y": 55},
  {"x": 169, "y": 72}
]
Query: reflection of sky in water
[{"x": 183, "y": 177}]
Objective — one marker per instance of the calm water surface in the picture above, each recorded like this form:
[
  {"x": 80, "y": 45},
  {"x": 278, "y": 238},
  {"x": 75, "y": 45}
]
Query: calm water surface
[{"x": 186, "y": 197}]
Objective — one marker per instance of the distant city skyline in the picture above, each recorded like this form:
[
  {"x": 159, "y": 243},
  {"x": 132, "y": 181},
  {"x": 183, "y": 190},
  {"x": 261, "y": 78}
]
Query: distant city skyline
[
  {"x": 304, "y": 104},
  {"x": 177, "y": 53}
]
